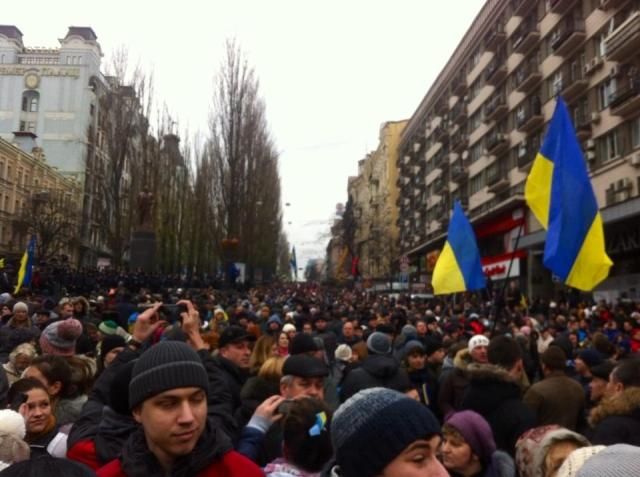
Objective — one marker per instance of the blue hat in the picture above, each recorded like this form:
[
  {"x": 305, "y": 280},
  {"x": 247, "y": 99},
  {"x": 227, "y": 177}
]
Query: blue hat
[{"x": 274, "y": 319}]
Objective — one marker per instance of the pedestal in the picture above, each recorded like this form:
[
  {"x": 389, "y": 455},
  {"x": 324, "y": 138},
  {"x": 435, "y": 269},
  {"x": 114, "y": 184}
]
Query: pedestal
[{"x": 143, "y": 251}]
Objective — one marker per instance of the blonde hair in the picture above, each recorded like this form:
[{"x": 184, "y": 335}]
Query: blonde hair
[
  {"x": 272, "y": 368},
  {"x": 262, "y": 351}
]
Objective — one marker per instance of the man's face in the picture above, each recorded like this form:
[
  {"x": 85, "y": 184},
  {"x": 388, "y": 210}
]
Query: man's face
[
  {"x": 614, "y": 387},
  {"x": 437, "y": 356},
  {"x": 321, "y": 325},
  {"x": 598, "y": 388},
  {"x": 347, "y": 330},
  {"x": 417, "y": 460},
  {"x": 581, "y": 366},
  {"x": 264, "y": 312},
  {"x": 300, "y": 386},
  {"x": 237, "y": 353},
  {"x": 307, "y": 329},
  {"x": 416, "y": 360},
  {"x": 421, "y": 327},
  {"x": 479, "y": 354},
  {"x": 20, "y": 316},
  {"x": 66, "y": 311},
  {"x": 173, "y": 421}
]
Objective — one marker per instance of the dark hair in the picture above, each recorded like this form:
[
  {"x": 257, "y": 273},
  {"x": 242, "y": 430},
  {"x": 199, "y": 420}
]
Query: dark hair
[
  {"x": 54, "y": 369},
  {"x": 21, "y": 387},
  {"x": 47, "y": 465},
  {"x": 504, "y": 352},
  {"x": 309, "y": 453},
  {"x": 628, "y": 373}
]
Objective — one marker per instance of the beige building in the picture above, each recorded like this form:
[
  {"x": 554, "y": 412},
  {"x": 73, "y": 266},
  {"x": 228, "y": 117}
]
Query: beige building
[
  {"x": 476, "y": 132},
  {"x": 25, "y": 178}
]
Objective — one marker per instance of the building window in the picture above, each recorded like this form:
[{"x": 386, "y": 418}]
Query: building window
[
  {"x": 476, "y": 152},
  {"x": 475, "y": 120},
  {"x": 556, "y": 83},
  {"x": 30, "y": 100},
  {"x": 28, "y": 126},
  {"x": 476, "y": 183},
  {"x": 609, "y": 147},
  {"x": 605, "y": 89},
  {"x": 635, "y": 133}
]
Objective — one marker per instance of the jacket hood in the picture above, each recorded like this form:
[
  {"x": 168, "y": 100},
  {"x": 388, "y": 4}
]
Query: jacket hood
[
  {"x": 490, "y": 387},
  {"x": 489, "y": 373},
  {"x": 626, "y": 404},
  {"x": 137, "y": 459},
  {"x": 381, "y": 366},
  {"x": 462, "y": 359}
]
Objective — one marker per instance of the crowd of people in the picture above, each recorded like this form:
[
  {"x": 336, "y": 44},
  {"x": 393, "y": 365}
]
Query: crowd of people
[{"x": 126, "y": 378}]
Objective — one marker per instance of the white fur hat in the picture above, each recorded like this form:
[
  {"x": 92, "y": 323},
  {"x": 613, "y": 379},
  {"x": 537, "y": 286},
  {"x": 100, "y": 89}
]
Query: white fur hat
[{"x": 12, "y": 422}]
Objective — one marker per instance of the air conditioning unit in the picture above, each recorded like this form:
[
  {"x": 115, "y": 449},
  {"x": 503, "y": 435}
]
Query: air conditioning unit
[
  {"x": 595, "y": 117},
  {"x": 591, "y": 144},
  {"x": 623, "y": 184},
  {"x": 591, "y": 156},
  {"x": 615, "y": 71},
  {"x": 635, "y": 160}
]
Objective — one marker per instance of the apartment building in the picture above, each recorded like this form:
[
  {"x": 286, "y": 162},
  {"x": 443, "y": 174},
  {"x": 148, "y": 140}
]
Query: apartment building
[
  {"x": 25, "y": 178},
  {"x": 475, "y": 134}
]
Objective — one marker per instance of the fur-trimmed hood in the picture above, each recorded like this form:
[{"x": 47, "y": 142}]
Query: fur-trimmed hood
[
  {"x": 625, "y": 404},
  {"x": 489, "y": 372},
  {"x": 462, "y": 359}
]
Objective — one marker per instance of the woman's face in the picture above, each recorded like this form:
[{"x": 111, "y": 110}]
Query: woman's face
[
  {"x": 417, "y": 460},
  {"x": 416, "y": 360},
  {"x": 283, "y": 340},
  {"x": 556, "y": 456},
  {"x": 38, "y": 410},
  {"x": 22, "y": 362},
  {"x": 20, "y": 315},
  {"x": 5, "y": 310},
  {"x": 456, "y": 453}
]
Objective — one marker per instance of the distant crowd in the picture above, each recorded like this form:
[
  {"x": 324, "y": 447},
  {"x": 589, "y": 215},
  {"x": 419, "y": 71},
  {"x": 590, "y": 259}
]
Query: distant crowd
[{"x": 114, "y": 374}]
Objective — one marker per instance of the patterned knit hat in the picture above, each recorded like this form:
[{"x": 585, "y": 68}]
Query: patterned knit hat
[
  {"x": 374, "y": 426},
  {"x": 167, "y": 365},
  {"x": 619, "y": 459},
  {"x": 60, "y": 337},
  {"x": 572, "y": 465}
]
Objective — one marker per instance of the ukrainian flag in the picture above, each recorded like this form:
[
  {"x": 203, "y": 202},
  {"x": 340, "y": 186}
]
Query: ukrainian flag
[
  {"x": 26, "y": 265},
  {"x": 458, "y": 267},
  {"x": 559, "y": 194}
]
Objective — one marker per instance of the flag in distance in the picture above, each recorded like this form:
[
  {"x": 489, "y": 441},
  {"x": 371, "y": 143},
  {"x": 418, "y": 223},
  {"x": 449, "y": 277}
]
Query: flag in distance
[
  {"x": 26, "y": 265},
  {"x": 559, "y": 193},
  {"x": 293, "y": 261},
  {"x": 1, "y": 262},
  {"x": 458, "y": 267}
]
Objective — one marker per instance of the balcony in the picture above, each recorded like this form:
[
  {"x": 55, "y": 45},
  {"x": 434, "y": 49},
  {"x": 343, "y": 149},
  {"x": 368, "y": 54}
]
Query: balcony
[
  {"x": 441, "y": 133},
  {"x": 522, "y": 7},
  {"x": 459, "y": 112},
  {"x": 526, "y": 36},
  {"x": 561, "y": 7},
  {"x": 497, "y": 179},
  {"x": 497, "y": 143},
  {"x": 494, "y": 38},
  {"x": 441, "y": 107},
  {"x": 582, "y": 125},
  {"x": 525, "y": 158},
  {"x": 610, "y": 4},
  {"x": 625, "y": 101},
  {"x": 440, "y": 186},
  {"x": 459, "y": 140},
  {"x": 459, "y": 172},
  {"x": 568, "y": 37},
  {"x": 496, "y": 71},
  {"x": 528, "y": 76},
  {"x": 624, "y": 41},
  {"x": 459, "y": 86},
  {"x": 574, "y": 83},
  {"x": 529, "y": 115},
  {"x": 495, "y": 108}
]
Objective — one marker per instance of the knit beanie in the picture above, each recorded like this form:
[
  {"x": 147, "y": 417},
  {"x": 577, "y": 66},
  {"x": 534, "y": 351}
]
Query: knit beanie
[
  {"x": 618, "y": 459},
  {"x": 108, "y": 327},
  {"x": 166, "y": 365},
  {"x": 374, "y": 426},
  {"x": 20, "y": 306},
  {"x": 60, "y": 337},
  {"x": 343, "y": 353},
  {"x": 477, "y": 340},
  {"x": 110, "y": 343},
  {"x": 577, "y": 459},
  {"x": 379, "y": 343},
  {"x": 476, "y": 432}
]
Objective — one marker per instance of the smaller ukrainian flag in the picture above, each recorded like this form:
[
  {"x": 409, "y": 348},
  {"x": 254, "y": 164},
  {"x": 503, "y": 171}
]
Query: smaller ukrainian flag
[
  {"x": 26, "y": 266},
  {"x": 458, "y": 267}
]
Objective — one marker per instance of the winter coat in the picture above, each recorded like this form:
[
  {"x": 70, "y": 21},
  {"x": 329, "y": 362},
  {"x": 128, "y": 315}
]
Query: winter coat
[
  {"x": 253, "y": 393},
  {"x": 212, "y": 456},
  {"x": 557, "y": 399},
  {"x": 454, "y": 383},
  {"x": 375, "y": 371},
  {"x": 617, "y": 420},
  {"x": 495, "y": 395},
  {"x": 234, "y": 377}
]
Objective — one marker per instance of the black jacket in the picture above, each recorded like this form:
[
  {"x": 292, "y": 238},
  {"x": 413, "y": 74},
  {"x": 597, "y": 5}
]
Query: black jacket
[
  {"x": 376, "y": 370},
  {"x": 617, "y": 420},
  {"x": 233, "y": 377},
  {"x": 496, "y": 396}
]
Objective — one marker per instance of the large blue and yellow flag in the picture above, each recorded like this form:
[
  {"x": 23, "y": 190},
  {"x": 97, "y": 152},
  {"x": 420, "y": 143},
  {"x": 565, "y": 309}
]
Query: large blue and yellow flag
[
  {"x": 458, "y": 267},
  {"x": 559, "y": 194},
  {"x": 26, "y": 265}
]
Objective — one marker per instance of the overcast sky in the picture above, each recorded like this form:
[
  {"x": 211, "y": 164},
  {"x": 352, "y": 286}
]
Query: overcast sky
[{"x": 331, "y": 73}]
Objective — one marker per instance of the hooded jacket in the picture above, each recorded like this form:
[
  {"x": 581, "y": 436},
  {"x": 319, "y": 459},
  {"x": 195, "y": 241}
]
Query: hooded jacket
[
  {"x": 375, "y": 371},
  {"x": 453, "y": 383},
  {"x": 617, "y": 420},
  {"x": 211, "y": 457},
  {"x": 495, "y": 395}
]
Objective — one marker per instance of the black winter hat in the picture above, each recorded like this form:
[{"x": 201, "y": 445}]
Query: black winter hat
[
  {"x": 304, "y": 366},
  {"x": 167, "y": 365},
  {"x": 302, "y": 343}
]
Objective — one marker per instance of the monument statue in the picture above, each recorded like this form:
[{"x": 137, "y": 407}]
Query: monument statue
[{"x": 145, "y": 210}]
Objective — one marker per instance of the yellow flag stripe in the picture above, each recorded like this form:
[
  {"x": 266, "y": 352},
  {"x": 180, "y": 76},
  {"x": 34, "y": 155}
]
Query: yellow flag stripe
[
  {"x": 592, "y": 264},
  {"x": 447, "y": 276},
  {"x": 537, "y": 190}
]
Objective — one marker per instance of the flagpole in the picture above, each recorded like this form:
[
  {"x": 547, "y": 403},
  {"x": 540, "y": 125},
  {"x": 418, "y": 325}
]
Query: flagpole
[{"x": 498, "y": 304}]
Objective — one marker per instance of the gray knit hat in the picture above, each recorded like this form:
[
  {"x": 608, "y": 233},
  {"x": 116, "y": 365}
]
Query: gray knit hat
[
  {"x": 619, "y": 459},
  {"x": 167, "y": 365},
  {"x": 379, "y": 343},
  {"x": 374, "y": 426}
]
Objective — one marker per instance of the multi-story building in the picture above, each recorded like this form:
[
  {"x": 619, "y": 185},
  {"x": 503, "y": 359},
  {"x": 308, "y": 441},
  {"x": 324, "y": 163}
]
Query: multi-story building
[
  {"x": 476, "y": 133},
  {"x": 25, "y": 178}
]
